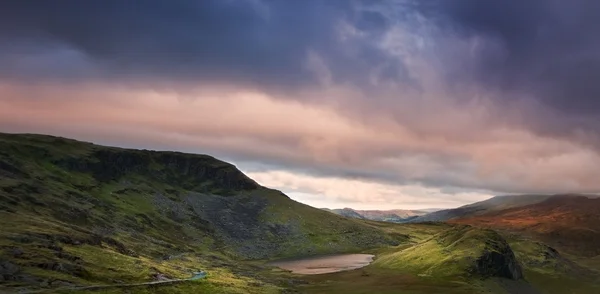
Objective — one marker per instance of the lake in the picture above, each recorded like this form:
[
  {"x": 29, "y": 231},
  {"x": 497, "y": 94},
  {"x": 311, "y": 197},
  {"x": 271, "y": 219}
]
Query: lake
[{"x": 324, "y": 264}]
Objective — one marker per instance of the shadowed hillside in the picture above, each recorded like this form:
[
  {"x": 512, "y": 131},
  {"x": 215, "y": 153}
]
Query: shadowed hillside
[{"x": 78, "y": 213}]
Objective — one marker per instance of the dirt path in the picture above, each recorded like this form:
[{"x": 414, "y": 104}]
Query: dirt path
[{"x": 196, "y": 276}]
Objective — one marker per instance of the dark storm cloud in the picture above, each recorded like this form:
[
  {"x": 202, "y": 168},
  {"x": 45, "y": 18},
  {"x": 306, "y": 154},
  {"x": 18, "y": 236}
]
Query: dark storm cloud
[
  {"x": 243, "y": 42},
  {"x": 549, "y": 49},
  {"x": 247, "y": 41}
]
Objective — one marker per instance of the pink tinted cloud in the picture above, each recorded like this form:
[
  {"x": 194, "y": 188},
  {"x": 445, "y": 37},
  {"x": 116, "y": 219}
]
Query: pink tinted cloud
[{"x": 254, "y": 126}]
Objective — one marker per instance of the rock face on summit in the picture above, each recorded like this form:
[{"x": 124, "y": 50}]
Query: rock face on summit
[{"x": 175, "y": 168}]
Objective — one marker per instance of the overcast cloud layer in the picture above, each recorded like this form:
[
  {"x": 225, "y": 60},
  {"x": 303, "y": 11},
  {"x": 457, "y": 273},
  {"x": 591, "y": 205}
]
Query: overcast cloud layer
[{"x": 368, "y": 104}]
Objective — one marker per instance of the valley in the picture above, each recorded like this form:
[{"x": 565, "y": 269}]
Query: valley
[
  {"x": 75, "y": 214},
  {"x": 395, "y": 215}
]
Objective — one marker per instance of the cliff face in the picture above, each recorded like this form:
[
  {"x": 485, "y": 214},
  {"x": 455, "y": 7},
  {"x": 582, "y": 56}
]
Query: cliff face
[
  {"x": 498, "y": 260},
  {"x": 198, "y": 173}
]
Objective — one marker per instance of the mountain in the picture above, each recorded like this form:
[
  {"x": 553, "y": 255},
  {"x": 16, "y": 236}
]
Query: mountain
[
  {"x": 493, "y": 204},
  {"x": 390, "y": 215},
  {"x": 78, "y": 213},
  {"x": 568, "y": 222},
  {"x": 345, "y": 212},
  {"x": 430, "y": 210},
  {"x": 395, "y": 215}
]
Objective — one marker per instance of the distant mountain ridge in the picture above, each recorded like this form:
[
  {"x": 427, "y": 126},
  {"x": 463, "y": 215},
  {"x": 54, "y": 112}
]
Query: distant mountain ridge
[
  {"x": 494, "y": 204},
  {"x": 569, "y": 222},
  {"x": 394, "y": 215}
]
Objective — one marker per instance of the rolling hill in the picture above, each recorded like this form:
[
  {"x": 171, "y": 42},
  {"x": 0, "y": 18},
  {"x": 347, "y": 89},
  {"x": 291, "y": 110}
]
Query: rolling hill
[
  {"x": 455, "y": 251},
  {"x": 568, "y": 222},
  {"x": 345, "y": 212},
  {"x": 493, "y": 204}
]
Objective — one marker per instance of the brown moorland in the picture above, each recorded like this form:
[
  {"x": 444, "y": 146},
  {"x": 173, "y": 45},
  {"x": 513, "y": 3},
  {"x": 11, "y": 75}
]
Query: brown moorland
[{"x": 570, "y": 223}]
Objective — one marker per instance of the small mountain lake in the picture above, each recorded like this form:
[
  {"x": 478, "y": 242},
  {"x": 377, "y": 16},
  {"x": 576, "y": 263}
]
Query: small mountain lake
[{"x": 316, "y": 265}]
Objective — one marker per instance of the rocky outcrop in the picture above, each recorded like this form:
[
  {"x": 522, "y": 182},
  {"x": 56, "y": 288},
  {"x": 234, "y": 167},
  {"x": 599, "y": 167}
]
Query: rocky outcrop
[
  {"x": 199, "y": 173},
  {"x": 501, "y": 263},
  {"x": 496, "y": 258},
  {"x": 8, "y": 271},
  {"x": 489, "y": 255}
]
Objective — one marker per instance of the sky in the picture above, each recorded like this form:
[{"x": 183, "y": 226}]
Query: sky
[{"x": 339, "y": 103}]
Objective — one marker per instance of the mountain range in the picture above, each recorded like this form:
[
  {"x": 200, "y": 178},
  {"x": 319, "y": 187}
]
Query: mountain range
[
  {"x": 78, "y": 217},
  {"x": 394, "y": 215}
]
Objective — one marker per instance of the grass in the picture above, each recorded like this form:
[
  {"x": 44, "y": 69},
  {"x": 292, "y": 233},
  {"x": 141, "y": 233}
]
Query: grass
[
  {"x": 434, "y": 260},
  {"x": 562, "y": 283},
  {"x": 374, "y": 279},
  {"x": 554, "y": 272},
  {"x": 200, "y": 286},
  {"x": 448, "y": 254}
]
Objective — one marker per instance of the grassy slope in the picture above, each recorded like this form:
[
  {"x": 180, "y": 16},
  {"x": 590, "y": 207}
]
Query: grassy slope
[
  {"x": 456, "y": 255},
  {"x": 570, "y": 223},
  {"x": 392, "y": 271},
  {"x": 438, "y": 259},
  {"x": 552, "y": 272},
  {"x": 77, "y": 213}
]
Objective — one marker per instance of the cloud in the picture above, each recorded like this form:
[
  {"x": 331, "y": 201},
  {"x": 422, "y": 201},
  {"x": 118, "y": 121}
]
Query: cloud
[
  {"x": 339, "y": 192},
  {"x": 250, "y": 43},
  {"x": 284, "y": 133},
  {"x": 462, "y": 96},
  {"x": 547, "y": 51}
]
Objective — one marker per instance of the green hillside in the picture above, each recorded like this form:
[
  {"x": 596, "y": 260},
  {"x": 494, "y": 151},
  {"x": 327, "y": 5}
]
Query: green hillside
[
  {"x": 457, "y": 251},
  {"x": 443, "y": 258},
  {"x": 78, "y": 213}
]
